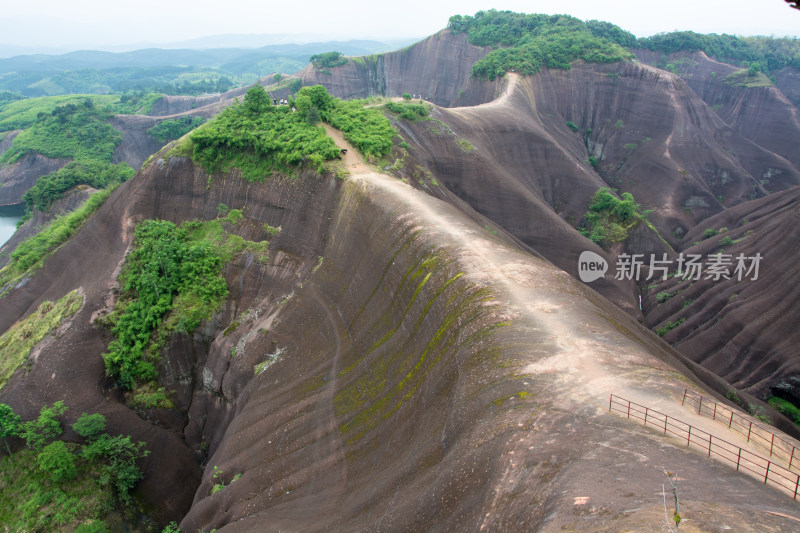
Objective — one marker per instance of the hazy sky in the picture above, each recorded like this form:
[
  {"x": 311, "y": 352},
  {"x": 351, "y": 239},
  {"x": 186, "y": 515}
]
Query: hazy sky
[{"x": 107, "y": 22}]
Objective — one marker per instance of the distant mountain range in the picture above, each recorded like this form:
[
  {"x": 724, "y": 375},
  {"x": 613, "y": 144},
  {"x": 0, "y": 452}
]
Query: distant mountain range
[{"x": 100, "y": 72}]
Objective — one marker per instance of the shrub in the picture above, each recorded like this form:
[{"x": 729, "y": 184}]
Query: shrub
[
  {"x": 572, "y": 126},
  {"x": 90, "y": 426},
  {"x": 669, "y": 326},
  {"x": 406, "y": 97},
  {"x": 44, "y": 428},
  {"x": 609, "y": 218},
  {"x": 733, "y": 396},
  {"x": 57, "y": 461},
  {"x": 726, "y": 241},
  {"x": 172, "y": 527},
  {"x": 663, "y": 296},
  {"x": 117, "y": 457},
  {"x": 709, "y": 232},
  {"x": 10, "y": 425}
]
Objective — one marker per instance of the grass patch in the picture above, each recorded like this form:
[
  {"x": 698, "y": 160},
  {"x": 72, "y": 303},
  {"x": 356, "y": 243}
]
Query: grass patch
[
  {"x": 408, "y": 110},
  {"x": 61, "y": 486},
  {"x": 17, "y": 343},
  {"x": 465, "y": 145},
  {"x": 31, "y": 253},
  {"x": 31, "y": 501},
  {"x": 786, "y": 408},
  {"x": 743, "y": 78}
]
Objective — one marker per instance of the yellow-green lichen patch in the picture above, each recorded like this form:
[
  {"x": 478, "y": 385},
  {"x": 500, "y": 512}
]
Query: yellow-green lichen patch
[
  {"x": 521, "y": 395},
  {"x": 17, "y": 343},
  {"x": 373, "y": 398}
]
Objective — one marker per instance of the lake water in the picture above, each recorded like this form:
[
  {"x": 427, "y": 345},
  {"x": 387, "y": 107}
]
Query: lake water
[{"x": 9, "y": 216}]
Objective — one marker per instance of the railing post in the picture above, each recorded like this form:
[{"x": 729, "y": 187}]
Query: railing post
[
  {"x": 684, "y": 395},
  {"x": 739, "y": 459},
  {"x": 731, "y": 420},
  {"x": 665, "y": 424},
  {"x": 629, "y": 409},
  {"x": 714, "y": 416},
  {"x": 749, "y": 430},
  {"x": 700, "y": 405},
  {"x": 709, "y": 444},
  {"x": 772, "y": 445},
  {"x": 796, "y": 487},
  {"x": 767, "y": 474},
  {"x": 689, "y": 438},
  {"x": 791, "y": 458},
  {"x": 646, "y": 409},
  {"x": 610, "y": 398}
]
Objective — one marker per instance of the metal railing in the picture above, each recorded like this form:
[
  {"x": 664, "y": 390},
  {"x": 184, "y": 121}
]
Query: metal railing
[
  {"x": 780, "y": 449},
  {"x": 744, "y": 460}
]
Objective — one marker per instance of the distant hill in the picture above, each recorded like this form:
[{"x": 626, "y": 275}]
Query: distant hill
[{"x": 97, "y": 72}]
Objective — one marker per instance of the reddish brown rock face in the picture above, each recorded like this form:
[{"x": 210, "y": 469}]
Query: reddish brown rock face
[{"x": 425, "y": 359}]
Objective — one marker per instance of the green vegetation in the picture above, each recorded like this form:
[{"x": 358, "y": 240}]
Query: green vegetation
[
  {"x": 663, "y": 296},
  {"x": 174, "y": 128},
  {"x": 51, "y": 187},
  {"x": 748, "y": 78},
  {"x": 525, "y": 43},
  {"x": 465, "y": 145},
  {"x": 669, "y": 326},
  {"x": 785, "y": 408},
  {"x": 60, "y": 486},
  {"x": 609, "y": 218},
  {"x": 71, "y": 131},
  {"x": 408, "y": 110},
  {"x": 771, "y": 53},
  {"x": 733, "y": 396},
  {"x": 261, "y": 139},
  {"x": 172, "y": 280},
  {"x": 572, "y": 126},
  {"x": 45, "y": 428},
  {"x": 21, "y": 114},
  {"x": 758, "y": 412},
  {"x": 365, "y": 127},
  {"x": 328, "y": 60},
  {"x": 18, "y": 341},
  {"x": 32, "y": 252}
]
